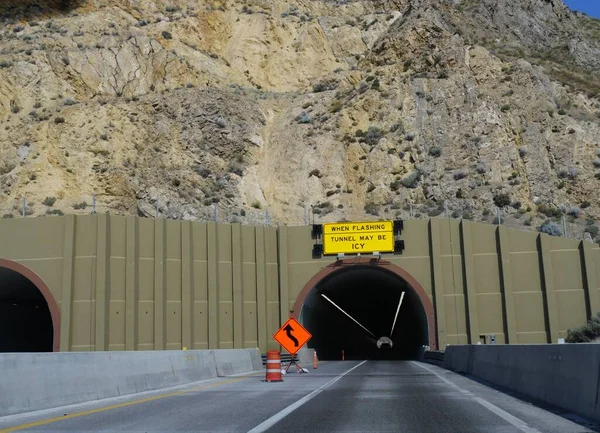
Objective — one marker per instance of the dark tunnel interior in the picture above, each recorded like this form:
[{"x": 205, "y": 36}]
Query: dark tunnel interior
[
  {"x": 371, "y": 296},
  {"x": 25, "y": 320}
]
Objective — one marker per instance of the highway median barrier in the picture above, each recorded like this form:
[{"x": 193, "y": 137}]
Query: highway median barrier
[
  {"x": 565, "y": 376},
  {"x": 36, "y": 381}
]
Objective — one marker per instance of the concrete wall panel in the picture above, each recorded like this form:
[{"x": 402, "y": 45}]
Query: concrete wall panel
[{"x": 128, "y": 283}]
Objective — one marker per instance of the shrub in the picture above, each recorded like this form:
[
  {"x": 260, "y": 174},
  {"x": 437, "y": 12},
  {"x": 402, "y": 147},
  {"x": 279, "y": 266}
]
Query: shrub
[
  {"x": 256, "y": 204},
  {"x": 505, "y": 108},
  {"x": 573, "y": 172},
  {"x": 550, "y": 228},
  {"x": 573, "y": 211},
  {"x": 49, "y": 201},
  {"x": 81, "y": 205},
  {"x": 592, "y": 229},
  {"x": 167, "y": 35},
  {"x": 70, "y": 101},
  {"x": 59, "y": 119},
  {"x": 324, "y": 86},
  {"x": 435, "y": 151},
  {"x": 480, "y": 168},
  {"x": 597, "y": 162},
  {"x": 304, "y": 118},
  {"x": 412, "y": 179},
  {"x": 316, "y": 172},
  {"x": 585, "y": 204},
  {"x": 523, "y": 151},
  {"x": 443, "y": 74},
  {"x": 236, "y": 168},
  {"x": 460, "y": 174},
  {"x": 502, "y": 199},
  {"x": 371, "y": 209},
  {"x": 373, "y": 135},
  {"x": 54, "y": 212},
  {"x": 549, "y": 211},
  {"x": 586, "y": 333}
]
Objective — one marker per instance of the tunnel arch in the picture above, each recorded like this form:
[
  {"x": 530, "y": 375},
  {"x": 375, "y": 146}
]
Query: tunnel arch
[
  {"x": 44, "y": 290},
  {"x": 372, "y": 265}
]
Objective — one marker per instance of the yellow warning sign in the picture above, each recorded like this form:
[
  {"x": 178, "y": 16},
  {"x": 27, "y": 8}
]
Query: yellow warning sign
[{"x": 358, "y": 237}]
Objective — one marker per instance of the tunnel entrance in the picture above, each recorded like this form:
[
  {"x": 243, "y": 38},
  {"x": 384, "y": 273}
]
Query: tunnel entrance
[
  {"x": 28, "y": 312},
  {"x": 368, "y": 312}
]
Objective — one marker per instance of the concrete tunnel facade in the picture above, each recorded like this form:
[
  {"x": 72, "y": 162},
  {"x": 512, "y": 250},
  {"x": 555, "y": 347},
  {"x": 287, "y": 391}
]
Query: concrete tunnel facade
[{"x": 130, "y": 283}]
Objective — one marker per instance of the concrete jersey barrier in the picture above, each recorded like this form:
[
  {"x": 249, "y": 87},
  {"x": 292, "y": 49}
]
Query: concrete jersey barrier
[
  {"x": 564, "y": 375},
  {"x": 36, "y": 381}
]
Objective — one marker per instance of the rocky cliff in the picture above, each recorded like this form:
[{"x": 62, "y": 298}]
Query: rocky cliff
[{"x": 362, "y": 109}]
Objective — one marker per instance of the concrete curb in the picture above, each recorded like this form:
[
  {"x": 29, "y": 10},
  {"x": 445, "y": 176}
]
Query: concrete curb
[{"x": 36, "y": 381}]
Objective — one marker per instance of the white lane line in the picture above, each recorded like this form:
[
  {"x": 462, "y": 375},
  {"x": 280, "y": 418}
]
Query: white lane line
[
  {"x": 521, "y": 425},
  {"x": 396, "y": 316},
  {"x": 352, "y": 318},
  {"x": 265, "y": 425}
]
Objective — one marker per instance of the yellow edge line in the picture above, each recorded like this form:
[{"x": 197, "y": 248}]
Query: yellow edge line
[{"x": 116, "y": 406}]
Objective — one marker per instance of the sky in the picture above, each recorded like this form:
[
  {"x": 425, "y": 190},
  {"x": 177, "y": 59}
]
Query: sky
[{"x": 590, "y": 7}]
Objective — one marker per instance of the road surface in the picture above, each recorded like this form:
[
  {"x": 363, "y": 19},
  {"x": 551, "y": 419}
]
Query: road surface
[{"x": 350, "y": 396}]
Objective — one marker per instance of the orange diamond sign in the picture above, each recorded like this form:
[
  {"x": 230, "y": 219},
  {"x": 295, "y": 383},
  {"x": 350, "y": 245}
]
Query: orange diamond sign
[{"x": 292, "y": 336}]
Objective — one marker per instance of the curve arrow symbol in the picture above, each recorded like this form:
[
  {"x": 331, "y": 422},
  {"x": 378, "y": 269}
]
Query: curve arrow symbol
[{"x": 288, "y": 330}]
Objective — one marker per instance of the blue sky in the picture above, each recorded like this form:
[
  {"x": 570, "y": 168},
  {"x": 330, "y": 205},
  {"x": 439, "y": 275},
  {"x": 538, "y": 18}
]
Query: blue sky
[{"x": 590, "y": 7}]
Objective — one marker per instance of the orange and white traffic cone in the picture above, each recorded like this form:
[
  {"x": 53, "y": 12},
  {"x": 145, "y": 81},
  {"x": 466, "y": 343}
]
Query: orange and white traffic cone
[
  {"x": 315, "y": 360},
  {"x": 273, "y": 366}
]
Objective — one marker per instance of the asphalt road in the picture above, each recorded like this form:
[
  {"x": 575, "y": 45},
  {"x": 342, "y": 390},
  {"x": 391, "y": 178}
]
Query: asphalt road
[{"x": 351, "y": 396}]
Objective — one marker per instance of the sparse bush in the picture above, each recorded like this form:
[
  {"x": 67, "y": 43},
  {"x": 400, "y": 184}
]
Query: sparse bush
[
  {"x": 592, "y": 230},
  {"x": 324, "y": 86},
  {"x": 407, "y": 64},
  {"x": 597, "y": 162},
  {"x": 435, "y": 151},
  {"x": 412, "y": 179},
  {"x": 304, "y": 118},
  {"x": 256, "y": 204},
  {"x": 573, "y": 172},
  {"x": 373, "y": 135},
  {"x": 460, "y": 174},
  {"x": 70, "y": 101},
  {"x": 372, "y": 209},
  {"x": 8, "y": 216},
  {"x": 316, "y": 172},
  {"x": 573, "y": 211},
  {"x": 5, "y": 64},
  {"x": 549, "y": 211},
  {"x": 523, "y": 152},
  {"x": 54, "y": 212},
  {"x": 104, "y": 137},
  {"x": 81, "y": 205},
  {"x": 502, "y": 200},
  {"x": 49, "y": 201},
  {"x": 236, "y": 168},
  {"x": 18, "y": 29},
  {"x": 59, "y": 119},
  {"x": 66, "y": 61},
  {"x": 585, "y": 204},
  {"x": 480, "y": 168},
  {"x": 167, "y": 35},
  {"x": 443, "y": 74},
  {"x": 562, "y": 112},
  {"x": 550, "y": 228}
]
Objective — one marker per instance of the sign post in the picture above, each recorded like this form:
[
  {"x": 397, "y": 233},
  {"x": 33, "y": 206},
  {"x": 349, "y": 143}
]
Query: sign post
[{"x": 292, "y": 336}]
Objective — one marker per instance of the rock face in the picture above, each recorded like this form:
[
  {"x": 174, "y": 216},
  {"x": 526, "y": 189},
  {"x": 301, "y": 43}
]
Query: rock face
[{"x": 261, "y": 110}]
